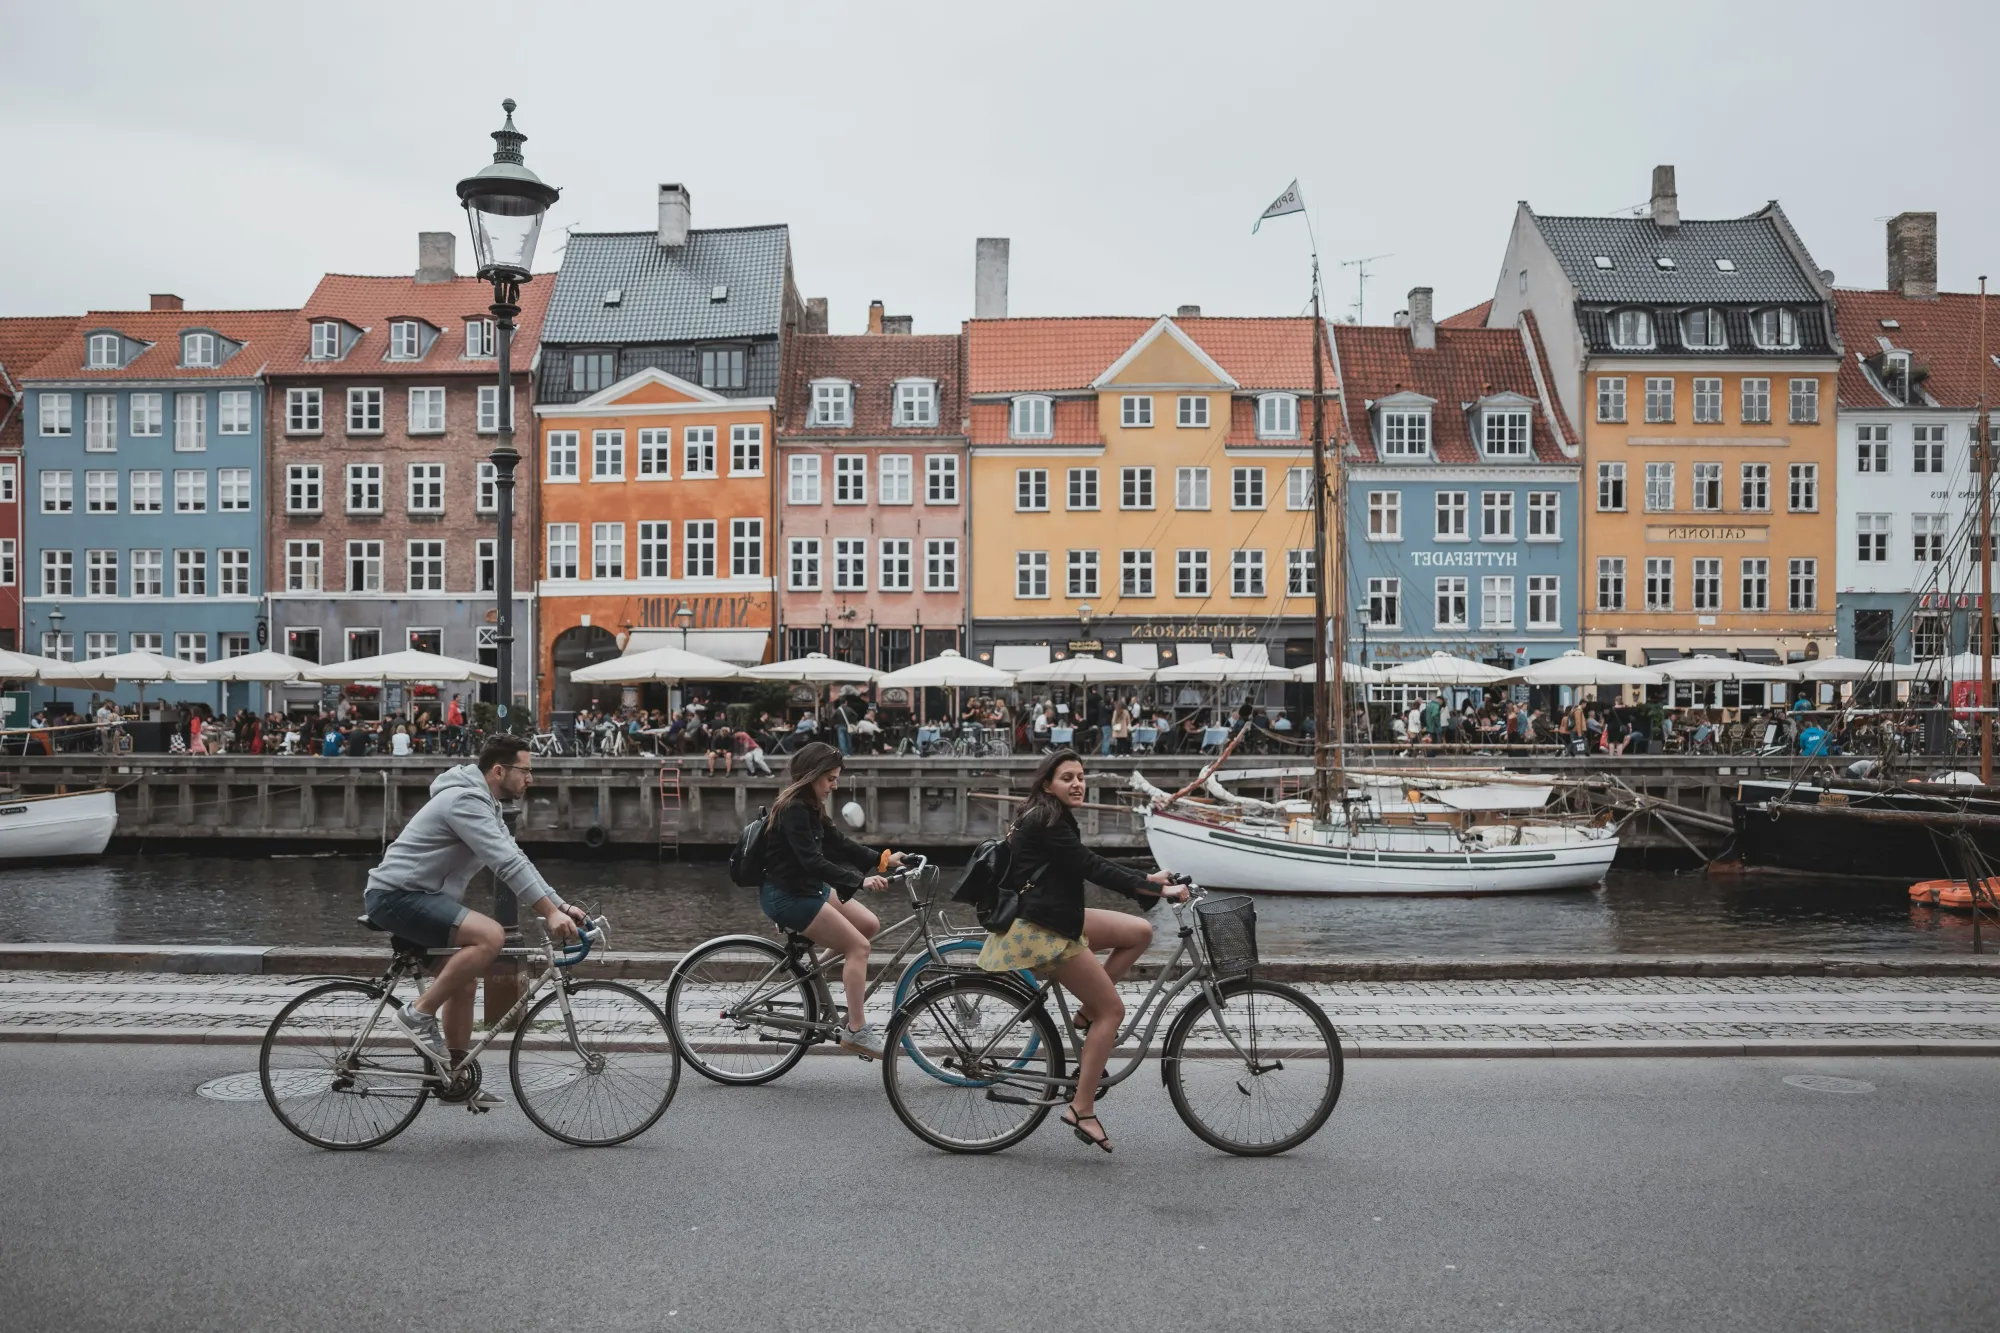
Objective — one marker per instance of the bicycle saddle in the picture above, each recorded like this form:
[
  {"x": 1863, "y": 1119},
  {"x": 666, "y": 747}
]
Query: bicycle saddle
[{"x": 396, "y": 942}]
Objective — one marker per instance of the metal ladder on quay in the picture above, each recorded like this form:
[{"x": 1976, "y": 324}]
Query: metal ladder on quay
[{"x": 670, "y": 810}]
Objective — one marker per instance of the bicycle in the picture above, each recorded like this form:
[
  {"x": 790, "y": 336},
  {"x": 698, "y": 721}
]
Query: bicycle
[
  {"x": 1253, "y": 1067},
  {"x": 546, "y": 745},
  {"x": 771, "y": 1003},
  {"x": 592, "y": 1063}
]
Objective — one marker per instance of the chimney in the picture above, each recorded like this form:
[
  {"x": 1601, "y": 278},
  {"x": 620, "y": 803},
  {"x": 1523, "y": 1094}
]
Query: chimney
[
  {"x": 1188, "y": 312},
  {"x": 1913, "y": 256},
  {"x": 437, "y": 256},
  {"x": 676, "y": 210},
  {"x": 903, "y": 324},
  {"x": 1423, "y": 329},
  {"x": 874, "y": 316},
  {"x": 166, "y": 301},
  {"x": 815, "y": 315},
  {"x": 1401, "y": 319},
  {"x": 989, "y": 278},
  {"x": 1666, "y": 204}
]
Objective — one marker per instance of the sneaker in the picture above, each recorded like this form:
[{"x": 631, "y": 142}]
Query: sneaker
[
  {"x": 865, "y": 1040},
  {"x": 483, "y": 1101},
  {"x": 423, "y": 1029}
]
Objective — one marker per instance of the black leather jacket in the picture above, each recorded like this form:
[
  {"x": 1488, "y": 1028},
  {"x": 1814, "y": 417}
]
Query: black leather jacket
[
  {"x": 803, "y": 851},
  {"x": 1050, "y": 858}
]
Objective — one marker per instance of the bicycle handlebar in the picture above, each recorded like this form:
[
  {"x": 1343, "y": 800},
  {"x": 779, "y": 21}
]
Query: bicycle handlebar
[{"x": 592, "y": 932}]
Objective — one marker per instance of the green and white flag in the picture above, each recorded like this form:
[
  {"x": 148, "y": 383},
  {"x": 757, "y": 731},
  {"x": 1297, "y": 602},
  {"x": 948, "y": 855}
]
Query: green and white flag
[{"x": 1288, "y": 202}]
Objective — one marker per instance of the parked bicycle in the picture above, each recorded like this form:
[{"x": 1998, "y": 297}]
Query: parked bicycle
[
  {"x": 547, "y": 745},
  {"x": 592, "y": 1063},
  {"x": 974, "y": 1061},
  {"x": 744, "y": 1009}
]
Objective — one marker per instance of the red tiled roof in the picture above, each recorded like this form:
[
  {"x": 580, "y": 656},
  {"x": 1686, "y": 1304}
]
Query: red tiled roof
[
  {"x": 1466, "y": 365},
  {"x": 1074, "y": 422},
  {"x": 258, "y": 330},
  {"x": 872, "y": 363},
  {"x": 1941, "y": 334},
  {"x": 1050, "y": 355},
  {"x": 1474, "y": 318},
  {"x": 371, "y": 303},
  {"x": 24, "y": 342}
]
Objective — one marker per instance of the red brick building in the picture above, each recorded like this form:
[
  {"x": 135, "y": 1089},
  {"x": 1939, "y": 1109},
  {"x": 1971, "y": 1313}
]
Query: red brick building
[{"x": 23, "y": 342}]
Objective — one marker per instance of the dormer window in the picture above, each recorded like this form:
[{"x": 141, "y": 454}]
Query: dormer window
[
  {"x": 1776, "y": 328},
  {"x": 916, "y": 403},
  {"x": 198, "y": 350},
  {"x": 1504, "y": 432},
  {"x": 406, "y": 340},
  {"x": 1030, "y": 418},
  {"x": 833, "y": 403},
  {"x": 722, "y": 367},
  {"x": 1896, "y": 376},
  {"x": 102, "y": 352},
  {"x": 1632, "y": 330},
  {"x": 1278, "y": 416},
  {"x": 326, "y": 340},
  {"x": 1406, "y": 434},
  {"x": 1703, "y": 329},
  {"x": 479, "y": 339}
]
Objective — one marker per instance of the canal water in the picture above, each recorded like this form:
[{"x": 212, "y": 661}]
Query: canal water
[{"x": 314, "y": 900}]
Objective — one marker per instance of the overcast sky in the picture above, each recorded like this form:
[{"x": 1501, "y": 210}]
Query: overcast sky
[{"x": 233, "y": 153}]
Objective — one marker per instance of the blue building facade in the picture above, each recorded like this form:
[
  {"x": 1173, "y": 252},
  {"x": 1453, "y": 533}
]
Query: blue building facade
[{"x": 146, "y": 491}]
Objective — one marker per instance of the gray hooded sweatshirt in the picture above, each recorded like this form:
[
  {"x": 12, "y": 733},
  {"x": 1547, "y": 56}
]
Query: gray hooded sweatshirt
[{"x": 448, "y": 841}]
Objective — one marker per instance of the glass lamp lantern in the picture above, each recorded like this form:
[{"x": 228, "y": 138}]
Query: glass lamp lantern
[{"x": 504, "y": 203}]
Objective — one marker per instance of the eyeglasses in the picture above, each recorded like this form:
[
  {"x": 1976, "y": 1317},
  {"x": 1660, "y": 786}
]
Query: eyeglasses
[{"x": 519, "y": 768}]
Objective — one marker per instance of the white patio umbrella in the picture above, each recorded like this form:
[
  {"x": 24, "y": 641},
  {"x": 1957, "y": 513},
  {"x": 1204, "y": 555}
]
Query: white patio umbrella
[
  {"x": 267, "y": 668},
  {"x": 1845, "y": 668},
  {"x": 947, "y": 671},
  {"x": 1351, "y": 673},
  {"x": 1723, "y": 668},
  {"x": 1964, "y": 666},
  {"x": 1220, "y": 670},
  {"x": 814, "y": 669},
  {"x": 1577, "y": 668},
  {"x": 665, "y": 665},
  {"x": 26, "y": 666},
  {"x": 409, "y": 665},
  {"x": 1083, "y": 669},
  {"x": 142, "y": 668},
  {"x": 1443, "y": 669}
]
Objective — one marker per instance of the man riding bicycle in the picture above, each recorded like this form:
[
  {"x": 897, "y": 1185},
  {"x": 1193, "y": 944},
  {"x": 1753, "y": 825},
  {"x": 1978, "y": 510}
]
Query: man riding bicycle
[{"x": 417, "y": 892}]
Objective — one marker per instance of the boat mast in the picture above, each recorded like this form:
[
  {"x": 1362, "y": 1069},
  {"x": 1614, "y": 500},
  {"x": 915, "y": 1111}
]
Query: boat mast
[
  {"x": 1983, "y": 431},
  {"x": 1327, "y": 727}
]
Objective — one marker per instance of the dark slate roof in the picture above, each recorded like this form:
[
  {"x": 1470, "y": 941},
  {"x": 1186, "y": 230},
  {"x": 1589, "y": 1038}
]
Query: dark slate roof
[
  {"x": 666, "y": 293},
  {"x": 1765, "y": 269},
  {"x": 1595, "y": 322}
]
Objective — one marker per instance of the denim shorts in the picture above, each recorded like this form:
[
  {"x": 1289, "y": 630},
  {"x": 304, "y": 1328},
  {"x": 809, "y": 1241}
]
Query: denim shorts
[
  {"x": 791, "y": 911},
  {"x": 422, "y": 918}
]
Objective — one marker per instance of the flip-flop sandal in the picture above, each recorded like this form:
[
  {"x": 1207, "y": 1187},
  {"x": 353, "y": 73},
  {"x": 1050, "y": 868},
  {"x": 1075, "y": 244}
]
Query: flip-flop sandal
[{"x": 1075, "y": 1122}]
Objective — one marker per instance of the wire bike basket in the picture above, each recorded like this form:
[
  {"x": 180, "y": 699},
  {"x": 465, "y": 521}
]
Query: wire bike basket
[{"x": 1229, "y": 931}]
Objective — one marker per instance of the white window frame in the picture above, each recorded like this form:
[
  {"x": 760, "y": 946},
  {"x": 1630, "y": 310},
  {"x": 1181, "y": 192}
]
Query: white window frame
[
  {"x": 850, "y": 564},
  {"x": 58, "y": 573},
  {"x": 364, "y": 480},
  {"x": 1705, "y": 583},
  {"x": 850, "y": 479},
  {"x": 655, "y": 548},
  {"x": 232, "y": 571},
  {"x": 1804, "y": 400},
  {"x": 406, "y": 340},
  {"x": 1496, "y": 516},
  {"x": 562, "y": 457},
  {"x": 1713, "y": 333},
  {"x": 1706, "y": 392},
  {"x": 198, "y": 351},
  {"x": 190, "y": 422},
  {"x": 1298, "y": 489},
  {"x": 1611, "y": 398},
  {"x": 1754, "y": 488},
  {"x": 1871, "y": 448},
  {"x": 486, "y": 410},
  {"x": 698, "y": 461},
  {"x": 146, "y": 491},
  {"x": 1300, "y": 572},
  {"x": 1031, "y": 417},
  {"x": 58, "y": 487},
  {"x": 746, "y": 450},
  {"x": 916, "y": 403},
  {"x": 305, "y": 488},
  {"x": 1659, "y": 399},
  {"x": 607, "y": 455},
  {"x": 1135, "y": 572},
  {"x": 1191, "y": 411},
  {"x": 1611, "y": 583},
  {"x": 746, "y": 548},
  {"x": 1246, "y": 489},
  {"x": 1927, "y": 534},
  {"x": 149, "y": 572},
  {"x": 1385, "y": 603},
  {"x": 1631, "y": 330},
  {"x": 1191, "y": 572},
  {"x": 481, "y": 340},
  {"x": 191, "y": 572},
  {"x": 699, "y": 553},
  {"x": 802, "y": 564},
  {"x": 1802, "y": 489},
  {"x": 364, "y": 410},
  {"x": 1135, "y": 488},
  {"x": 1031, "y": 490},
  {"x": 1872, "y": 533},
  {"x": 607, "y": 550},
  {"x": 1278, "y": 416},
  {"x": 1080, "y": 573},
  {"x": 1753, "y": 406},
  {"x": 424, "y": 410},
  {"x": 1706, "y": 496},
  {"x": 1449, "y": 516},
  {"x": 895, "y": 479},
  {"x": 1610, "y": 486},
  {"x": 1754, "y": 583},
  {"x": 940, "y": 564},
  {"x": 1246, "y": 572},
  {"x": 100, "y": 491},
  {"x": 191, "y": 490},
  {"x": 363, "y": 569},
  {"x": 1135, "y": 411},
  {"x": 1927, "y": 449},
  {"x": 1544, "y": 516},
  {"x": 802, "y": 479},
  {"x": 940, "y": 479},
  {"x": 425, "y": 483},
  {"x": 191, "y": 645},
  {"x": 234, "y": 490},
  {"x": 1496, "y": 602},
  {"x": 1031, "y": 575},
  {"x": 1786, "y": 333},
  {"x": 1385, "y": 516},
  {"x": 233, "y": 412},
  {"x": 832, "y": 403},
  {"x": 1191, "y": 488},
  {"x": 1802, "y": 583},
  {"x": 485, "y": 488},
  {"x": 104, "y": 351},
  {"x": 100, "y": 573},
  {"x": 305, "y": 566},
  {"x": 563, "y": 547},
  {"x": 56, "y": 420},
  {"x": 1660, "y": 488},
  {"x": 100, "y": 423},
  {"x": 1506, "y": 432},
  {"x": 656, "y": 453},
  {"x": 1406, "y": 433},
  {"x": 305, "y": 411},
  {"x": 1451, "y": 602},
  {"x": 146, "y": 415},
  {"x": 1544, "y": 601},
  {"x": 325, "y": 340},
  {"x": 1080, "y": 489},
  {"x": 1659, "y": 583}
]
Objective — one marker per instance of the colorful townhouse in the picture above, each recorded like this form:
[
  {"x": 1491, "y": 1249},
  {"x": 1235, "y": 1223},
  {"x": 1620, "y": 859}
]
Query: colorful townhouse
[
  {"x": 1141, "y": 487},
  {"x": 383, "y": 409},
  {"x": 145, "y": 453},
  {"x": 1461, "y": 506},
  {"x": 872, "y": 503},
  {"x": 23, "y": 343},
  {"x": 655, "y": 407},
  {"x": 1909, "y": 387},
  {"x": 1701, "y": 358}
]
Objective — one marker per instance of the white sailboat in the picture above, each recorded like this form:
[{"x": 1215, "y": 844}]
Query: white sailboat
[{"x": 51, "y": 828}]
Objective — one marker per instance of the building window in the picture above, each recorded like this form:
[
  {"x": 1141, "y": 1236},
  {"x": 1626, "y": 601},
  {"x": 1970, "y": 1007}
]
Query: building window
[
  {"x": 1496, "y": 602},
  {"x": 656, "y": 447},
  {"x": 99, "y": 643},
  {"x": 479, "y": 341},
  {"x": 1871, "y": 452},
  {"x": 304, "y": 567},
  {"x": 1452, "y": 611},
  {"x": 722, "y": 367},
  {"x": 563, "y": 450},
  {"x": 1191, "y": 488},
  {"x": 1135, "y": 488},
  {"x": 58, "y": 573},
  {"x": 486, "y": 568},
  {"x": 1707, "y": 584},
  {"x": 746, "y": 548},
  {"x": 486, "y": 489},
  {"x": 1873, "y": 533},
  {"x": 1031, "y": 490},
  {"x": 7, "y": 480},
  {"x": 1659, "y": 399},
  {"x": 1544, "y": 516},
  {"x": 364, "y": 564},
  {"x": 233, "y": 414},
  {"x": 1803, "y": 587},
  {"x": 1544, "y": 601},
  {"x": 100, "y": 492},
  {"x": 1190, "y": 573},
  {"x": 1406, "y": 434},
  {"x": 58, "y": 492},
  {"x": 1708, "y": 486},
  {"x": 1610, "y": 397},
  {"x": 590, "y": 371},
  {"x": 149, "y": 573},
  {"x": 746, "y": 451},
  {"x": 1135, "y": 409},
  {"x": 426, "y": 488},
  {"x": 801, "y": 479},
  {"x": 234, "y": 567},
  {"x": 1805, "y": 402},
  {"x": 1135, "y": 573},
  {"x": 364, "y": 488},
  {"x": 698, "y": 549},
  {"x": 833, "y": 404},
  {"x": 1246, "y": 488},
  {"x": 325, "y": 340},
  {"x": 1298, "y": 488},
  {"x": 940, "y": 564},
  {"x": 232, "y": 490},
  {"x": 1278, "y": 416},
  {"x": 190, "y": 573},
  {"x": 1451, "y": 511},
  {"x": 190, "y": 491},
  {"x": 1632, "y": 330},
  {"x": 1930, "y": 635},
  {"x": 1928, "y": 453},
  {"x": 1707, "y": 400},
  {"x": 100, "y": 423},
  {"x": 1246, "y": 573},
  {"x": 607, "y": 550},
  {"x": 1756, "y": 496},
  {"x": 100, "y": 574},
  {"x": 1385, "y": 516},
  {"x": 302, "y": 411},
  {"x": 148, "y": 414},
  {"x": 607, "y": 455},
  {"x": 1704, "y": 329},
  {"x": 655, "y": 550},
  {"x": 802, "y": 564},
  {"x": 697, "y": 452},
  {"x": 1611, "y": 487},
  {"x": 564, "y": 539},
  {"x": 364, "y": 411},
  {"x": 103, "y": 352},
  {"x": 1756, "y": 402},
  {"x": 1192, "y": 410},
  {"x": 1805, "y": 488},
  {"x": 1031, "y": 574},
  {"x": 916, "y": 403},
  {"x": 1927, "y": 532},
  {"x": 191, "y": 646},
  {"x": 60, "y": 645},
  {"x": 1506, "y": 434},
  {"x": 1081, "y": 567},
  {"x": 1659, "y": 488},
  {"x": 850, "y": 479},
  {"x": 198, "y": 350},
  {"x": 1385, "y": 603},
  {"x": 1029, "y": 419},
  {"x": 486, "y": 420},
  {"x": 1659, "y": 583},
  {"x": 894, "y": 473},
  {"x": 1083, "y": 488},
  {"x": 1775, "y": 328},
  {"x": 940, "y": 479},
  {"x": 426, "y": 411},
  {"x": 1496, "y": 516},
  {"x": 55, "y": 412},
  {"x": 149, "y": 491},
  {"x": 1756, "y": 576},
  {"x": 405, "y": 343},
  {"x": 190, "y": 422}
]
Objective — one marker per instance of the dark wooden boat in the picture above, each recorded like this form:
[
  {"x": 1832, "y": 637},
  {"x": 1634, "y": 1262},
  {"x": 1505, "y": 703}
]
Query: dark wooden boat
[{"x": 1859, "y": 829}]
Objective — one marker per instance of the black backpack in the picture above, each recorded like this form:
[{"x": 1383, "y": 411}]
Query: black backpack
[
  {"x": 746, "y": 858},
  {"x": 984, "y": 876}
]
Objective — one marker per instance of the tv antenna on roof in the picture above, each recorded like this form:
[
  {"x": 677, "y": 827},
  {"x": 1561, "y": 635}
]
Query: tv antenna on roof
[{"x": 1361, "y": 280}]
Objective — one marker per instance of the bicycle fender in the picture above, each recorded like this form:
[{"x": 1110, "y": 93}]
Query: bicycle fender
[{"x": 370, "y": 982}]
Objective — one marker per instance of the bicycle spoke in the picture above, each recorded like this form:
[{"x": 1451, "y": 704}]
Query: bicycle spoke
[
  {"x": 739, "y": 1013},
  {"x": 1281, "y": 1094},
  {"x": 951, "y": 1104},
  {"x": 608, "y": 1083},
  {"x": 324, "y": 1089}
]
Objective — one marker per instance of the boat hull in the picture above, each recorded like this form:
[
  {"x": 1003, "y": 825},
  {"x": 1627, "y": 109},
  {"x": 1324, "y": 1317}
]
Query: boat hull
[
  {"x": 1389, "y": 862},
  {"x": 1855, "y": 841},
  {"x": 53, "y": 828}
]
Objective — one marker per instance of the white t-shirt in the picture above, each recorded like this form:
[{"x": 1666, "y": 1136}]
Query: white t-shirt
[{"x": 399, "y": 743}]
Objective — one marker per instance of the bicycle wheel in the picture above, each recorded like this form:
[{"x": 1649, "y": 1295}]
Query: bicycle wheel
[
  {"x": 609, "y": 1081},
  {"x": 961, "y": 958},
  {"x": 985, "y": 1106},
  {"x": 744, "y": 971},
  {"x": 1282, "y": 1097},
  {"x": 326, "y": 1086}
]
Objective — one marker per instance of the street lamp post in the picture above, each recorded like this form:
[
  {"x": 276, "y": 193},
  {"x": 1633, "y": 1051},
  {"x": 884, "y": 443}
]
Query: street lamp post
[
  {"x": 505, "y": 202},
  {"x": 684, "y": 617}
]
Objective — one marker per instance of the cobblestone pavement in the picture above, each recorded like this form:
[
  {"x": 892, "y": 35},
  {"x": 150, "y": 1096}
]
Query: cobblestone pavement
[{"x": 1703, "y": 1015}]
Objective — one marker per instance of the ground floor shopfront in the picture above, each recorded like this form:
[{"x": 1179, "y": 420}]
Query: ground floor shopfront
[
  {"x": 575, "y": 631},
  {"x": 192, "y": 629},
  {"x": 340, "y": 628},
  {"x": 1151, "y": 643},
  {"x": 1651, "y": 650},
  {"x": 1913, "y": 626}
]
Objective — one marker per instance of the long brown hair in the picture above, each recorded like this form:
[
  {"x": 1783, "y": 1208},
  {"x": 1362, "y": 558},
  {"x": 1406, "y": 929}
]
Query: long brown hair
[
  {"x": 813, "y": 761},
  {"x": 1043, "y": 805}
]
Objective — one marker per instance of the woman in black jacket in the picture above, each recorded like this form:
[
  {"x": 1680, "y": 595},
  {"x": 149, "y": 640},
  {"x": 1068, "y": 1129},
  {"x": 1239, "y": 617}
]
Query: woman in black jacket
[
  {"x": 1055, "y": 934},
  {"x": 812, "y": 870}
]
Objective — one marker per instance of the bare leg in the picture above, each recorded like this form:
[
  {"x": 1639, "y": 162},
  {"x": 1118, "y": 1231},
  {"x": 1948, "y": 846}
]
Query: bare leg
[
  {"x": 831, "y": 929},
  {"x": 1127, "y": 937},
  {"x": 1085, "y": 978},
  {"x": 478, "y": 940}
]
